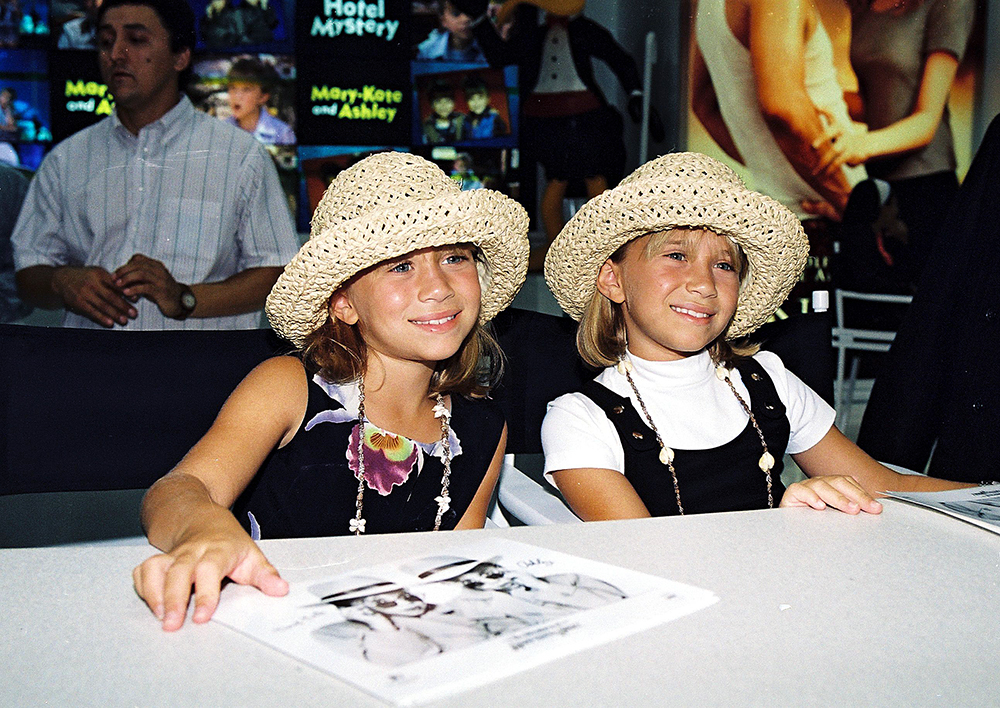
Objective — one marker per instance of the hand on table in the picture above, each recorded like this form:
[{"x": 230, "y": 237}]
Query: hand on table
[
  {"x": 92, "y": 292},
  {"x": 146, "y": 277},
  {"x": 839, "y": 492},
  {"x": 165, "y": 581}
]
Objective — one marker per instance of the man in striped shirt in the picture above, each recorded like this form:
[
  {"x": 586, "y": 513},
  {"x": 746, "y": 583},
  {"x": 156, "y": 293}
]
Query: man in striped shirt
[{"x": 158, "y": 217}]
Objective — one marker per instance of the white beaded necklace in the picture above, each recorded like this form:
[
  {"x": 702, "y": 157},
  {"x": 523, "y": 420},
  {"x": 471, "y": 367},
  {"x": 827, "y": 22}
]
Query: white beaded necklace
[
  {"x": 357, "y": 525},
  {"x": 766, "y": 462}
]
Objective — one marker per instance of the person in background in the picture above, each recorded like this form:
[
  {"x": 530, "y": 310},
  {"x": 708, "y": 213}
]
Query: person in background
[
  {"x": 251, "y": 85},
  {"x": 158, "y": 216}
]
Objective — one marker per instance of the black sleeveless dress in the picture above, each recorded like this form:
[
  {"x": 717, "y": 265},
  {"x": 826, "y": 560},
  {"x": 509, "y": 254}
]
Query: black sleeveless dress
[
  {"x": 725, "y": 478},
  {"x": 307, "y": 489}
]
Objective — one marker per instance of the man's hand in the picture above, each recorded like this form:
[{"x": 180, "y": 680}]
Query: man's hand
[
  {"x": 92, "y": 292},
  {"x": 145, "y": 277}
]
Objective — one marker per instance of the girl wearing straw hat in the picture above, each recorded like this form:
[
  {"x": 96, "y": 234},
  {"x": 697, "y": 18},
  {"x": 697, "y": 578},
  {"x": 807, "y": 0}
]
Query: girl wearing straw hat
[
  {"x": 380, "y": 424},
  {"x": 665, "y": 273}
]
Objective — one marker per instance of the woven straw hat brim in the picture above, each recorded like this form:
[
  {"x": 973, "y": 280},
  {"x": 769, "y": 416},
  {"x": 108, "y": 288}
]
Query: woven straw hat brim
[
  {"x": 771, "y": 236},
  {"x": 498, "y": 225}
]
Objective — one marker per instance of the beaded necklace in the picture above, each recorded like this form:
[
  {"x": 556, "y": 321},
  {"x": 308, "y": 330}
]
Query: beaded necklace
[
  {"x": 357, "y": 525},
  {"x": 766, "y": 461}
]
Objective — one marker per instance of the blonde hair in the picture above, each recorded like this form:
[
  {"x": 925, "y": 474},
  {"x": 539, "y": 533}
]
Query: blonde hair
[
  {"x": 601, "y": 337},
  {"x": 338, "y": 352}
]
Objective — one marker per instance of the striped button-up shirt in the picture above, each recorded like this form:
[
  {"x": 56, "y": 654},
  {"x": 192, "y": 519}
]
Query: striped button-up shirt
[{"x": 199, "y": 195}]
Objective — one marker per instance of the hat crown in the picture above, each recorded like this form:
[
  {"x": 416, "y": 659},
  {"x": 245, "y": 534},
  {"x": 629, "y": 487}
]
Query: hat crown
[
  {"x": 379, "y": 182},
  {"x": 685, "y": 166}
]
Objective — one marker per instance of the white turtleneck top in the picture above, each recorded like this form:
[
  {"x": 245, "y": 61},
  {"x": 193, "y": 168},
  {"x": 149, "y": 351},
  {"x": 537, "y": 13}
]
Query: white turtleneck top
[{"x": 690, "y": 406}]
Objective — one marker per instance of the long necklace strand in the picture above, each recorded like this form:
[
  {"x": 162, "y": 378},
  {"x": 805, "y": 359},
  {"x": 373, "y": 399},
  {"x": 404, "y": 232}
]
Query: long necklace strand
[
  {"x": 357, "y": 525},
  {"x": 766, "y": 461}
]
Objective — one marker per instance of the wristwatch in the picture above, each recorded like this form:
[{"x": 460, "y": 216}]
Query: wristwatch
[{"x": 187, "y": 302}]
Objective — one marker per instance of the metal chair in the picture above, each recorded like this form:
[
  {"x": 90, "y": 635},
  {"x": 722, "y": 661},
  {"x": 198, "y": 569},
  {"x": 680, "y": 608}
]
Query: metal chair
[{"x": 848, "y": 339}]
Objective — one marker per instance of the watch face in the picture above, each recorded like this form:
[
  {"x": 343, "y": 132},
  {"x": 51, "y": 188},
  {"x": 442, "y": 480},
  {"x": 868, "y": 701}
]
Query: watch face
[{"x": 188, "y": 301}]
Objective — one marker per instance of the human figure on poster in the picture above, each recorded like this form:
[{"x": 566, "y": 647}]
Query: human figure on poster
[
  {"x": 764, "y": 85},
  {"x": 157, "y": 217},
  {"x": 250, "y": 86},
  {"x": 453, "y": 40},
  {"x": 906, "y": 55},
  {"x": 444, "y": 125},
  {"x": 482, "y": 121},
  {"x": 666, "y": 273},
  {"x": 463, "y": 172},
  {"x": 79, "y": 32},
  {"x": 9, "y": 130},
  {"x": 569, "y": 126},
  {"x": 10, "y": 22},
  {"x": 380, "y": 422},
  {"x": 228, "y": 23}
]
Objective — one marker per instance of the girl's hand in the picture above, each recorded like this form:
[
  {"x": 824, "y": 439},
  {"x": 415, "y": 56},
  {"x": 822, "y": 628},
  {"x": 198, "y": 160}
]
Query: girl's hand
[
  {"x": 839, "y": 492},
  {"x": 164, "y": 581}
]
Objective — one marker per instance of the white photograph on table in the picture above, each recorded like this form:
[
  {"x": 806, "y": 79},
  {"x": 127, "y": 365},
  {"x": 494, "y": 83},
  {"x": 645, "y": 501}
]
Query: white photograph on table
[
  {"x": 424, "y": 627},
  {"x": 976, "y": 505}
]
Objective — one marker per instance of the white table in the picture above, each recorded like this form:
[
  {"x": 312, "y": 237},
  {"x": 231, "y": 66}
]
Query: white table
[{"x": 817, "y": 608}]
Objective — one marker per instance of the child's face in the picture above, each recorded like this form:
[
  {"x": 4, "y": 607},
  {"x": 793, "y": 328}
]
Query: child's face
[
  {"x": 417, "y": 308},
  {"x": 455, "y": 22},
  {"x": 443, "y": 106},
  {"x": 678, "y": 296},
  {"x": 399, "y": 603},
  {"x": 478, "y": 102},
  {"x": 246, "y": 99}
]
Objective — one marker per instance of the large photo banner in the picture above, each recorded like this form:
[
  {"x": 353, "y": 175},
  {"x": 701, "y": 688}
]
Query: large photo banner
[{"x": 807, "y": 99}]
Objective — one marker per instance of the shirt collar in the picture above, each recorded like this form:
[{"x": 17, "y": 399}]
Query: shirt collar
[
  {"x": 169, "y": 121},
  {"x": 689, "y": 371}
]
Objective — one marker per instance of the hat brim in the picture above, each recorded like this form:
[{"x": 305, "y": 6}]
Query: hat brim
[
  {"x": 770, "y": 235},
  {"x": 495, "y": 223}
]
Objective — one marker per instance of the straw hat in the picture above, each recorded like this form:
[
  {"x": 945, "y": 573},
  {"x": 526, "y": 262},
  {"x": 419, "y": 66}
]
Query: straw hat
[
  {"x": 682, "y": 190},
  {"x": 386, "y": 206}
]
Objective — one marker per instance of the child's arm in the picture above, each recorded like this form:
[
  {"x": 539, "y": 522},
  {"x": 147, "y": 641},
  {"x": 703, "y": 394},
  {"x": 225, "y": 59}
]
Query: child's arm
[
  {"x": 599, "y": 494},
  {"x": 186, "y": 513},
  {"x": 475, "y": 516},
  {"x": 842, "y": 475},
  {"x": 583, "y": 456}
]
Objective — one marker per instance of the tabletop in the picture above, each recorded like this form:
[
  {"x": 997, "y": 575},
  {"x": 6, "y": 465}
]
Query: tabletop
[{"x": 816, "y": 608}]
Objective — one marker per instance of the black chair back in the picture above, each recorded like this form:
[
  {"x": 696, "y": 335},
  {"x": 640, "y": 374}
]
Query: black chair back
[{"x": 101, "y": 410}]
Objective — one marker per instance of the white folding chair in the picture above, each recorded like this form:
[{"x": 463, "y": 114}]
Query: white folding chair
[
  {"x": 523, "y": 499},
  {"x": 848, "y": 339}
]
